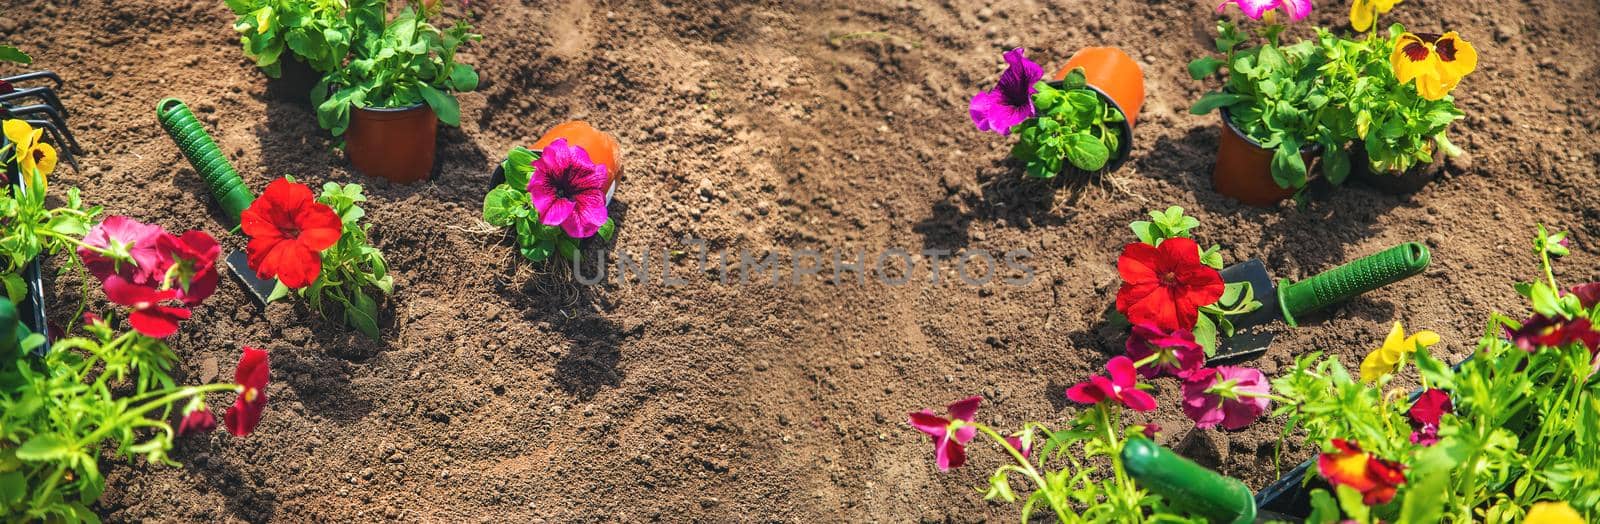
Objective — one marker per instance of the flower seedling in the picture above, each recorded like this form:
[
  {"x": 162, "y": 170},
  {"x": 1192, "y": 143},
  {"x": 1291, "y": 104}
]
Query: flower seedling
[
  {"x": 1070, "y": 123},
  {"x": 1506, "y": 435},
  {"x": 552, "y": 200},
  {"x": 404, "y": 62},
  {"x": 317, "y": 248},
  {"x": 319, "y": 32}
]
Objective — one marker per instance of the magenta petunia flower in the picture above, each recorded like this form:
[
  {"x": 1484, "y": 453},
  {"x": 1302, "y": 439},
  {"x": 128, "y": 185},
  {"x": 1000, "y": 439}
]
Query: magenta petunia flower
[
  {"x": 949, "y": 445},
  {"x": 1177, "y": 354},
  {"x": 197, "y": 421},
  {"x": 1011, "y": 101},
  {"x": 1023, "y": 447},
  {"x": 1588, "y": 294},
  {"x": 134, "y": 254},
  {"x": 569, "y": 190},
  {"x": 1255, "y": 9},
  {"x": 1231, "y": 396},
  {"x": 1426, "y": 414},
  {"x": 1122, "y": 387}
]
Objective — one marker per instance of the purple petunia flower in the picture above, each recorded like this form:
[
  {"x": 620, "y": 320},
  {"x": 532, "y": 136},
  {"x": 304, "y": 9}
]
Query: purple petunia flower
[
  {"x": 1255, "y": 9},
  {"x": 1011, "y": 101},
  {"x": 1179, "y": 354},
  {"x": 569, "y": 190}
]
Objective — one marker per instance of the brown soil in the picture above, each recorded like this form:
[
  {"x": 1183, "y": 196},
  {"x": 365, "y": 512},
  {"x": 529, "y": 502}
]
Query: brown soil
[{"x": 501, "y": 393}]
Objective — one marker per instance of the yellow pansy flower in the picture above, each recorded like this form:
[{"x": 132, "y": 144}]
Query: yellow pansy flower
[
  {"x": 1552, "y": 513},
  {"x": 1363, "y": 13},
  {"x": 1436, "y": 62},
  {"x": 30, "y": 153},
  {"x": 1384, "y": 360}
]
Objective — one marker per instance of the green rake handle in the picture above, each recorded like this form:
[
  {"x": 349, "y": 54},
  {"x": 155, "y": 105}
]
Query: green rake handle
[
  {"x": 1345, "y": 282},
  {"x": 227, "y": 188},
  {"x": 1188, "y": 486}
]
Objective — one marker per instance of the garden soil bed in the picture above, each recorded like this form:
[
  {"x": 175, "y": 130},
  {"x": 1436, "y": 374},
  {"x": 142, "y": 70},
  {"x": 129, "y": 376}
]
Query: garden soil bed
[{"x": 502, "y": 394}]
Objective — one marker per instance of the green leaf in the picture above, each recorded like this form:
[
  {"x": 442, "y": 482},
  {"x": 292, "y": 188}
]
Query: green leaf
[
  {"x": 519, "y": 167},
  {"x": 13, "y": 488},
  {"x": 45, "y": 448},
  {"x": 568, "y": 248},
  {"x": 1086, "y": 152},
  {"x": 12, "y": 54},
  {"x": 1205, "y": 334},
  {"x": 1213, "y": 100},
  {"x": 498, "y": 204},
  {"x": 1288, "y": 168},
  {"x": 1203, "y": 67},
  {"x": 999, "y": 487},
  {"x": 278, "y": 291},
  {"x": 443, "y": 104},
  {"x": 1323, "y": 509},
  {"x": 1335, "y": 165},
  {"x": 1074, "y": 79},
  {"x": 608, "y": 230},
  {"x": 16, "y": 287},
  {"x": 362, "y": 314},
  {"x": 463, "y": 78}
]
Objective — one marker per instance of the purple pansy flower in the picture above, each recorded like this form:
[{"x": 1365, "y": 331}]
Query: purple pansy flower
[
  {"x": 569, "y": 190},
  {"x": 1011, "y": 101}
]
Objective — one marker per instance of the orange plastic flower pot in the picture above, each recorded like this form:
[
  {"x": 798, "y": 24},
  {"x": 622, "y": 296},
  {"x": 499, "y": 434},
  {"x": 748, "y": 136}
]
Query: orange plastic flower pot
[
  {"x": 1244, "y": 169},
  {"x": 601, "y": 147},
  {"x": 1114, "y": 74},
  {"x": 396, "y": 144}
]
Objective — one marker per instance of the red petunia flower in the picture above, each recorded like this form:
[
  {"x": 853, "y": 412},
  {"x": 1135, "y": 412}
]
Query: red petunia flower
[
  {"x": 149, "y": 316},
  {"x": 288, "y": 230},
  {"x": 192, "y": 264},
  {"x": 1165, "y": 286},
  {"x": 197, "y": 421},
  {"x": 1376, "y": 478},
  {"x": 949, "y": 445},
  {"x": 252, "y": 374},
  {"x": 1426, "y": 414},
  {"x": 1122, "y": 387}
]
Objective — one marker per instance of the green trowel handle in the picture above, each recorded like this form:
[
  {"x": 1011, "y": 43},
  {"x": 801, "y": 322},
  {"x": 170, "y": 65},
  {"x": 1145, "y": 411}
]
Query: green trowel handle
[
  {"x": 1345, "y": 282},
  {"x": 227, "y": 188},
  {"x": 1188, "y": 486}
]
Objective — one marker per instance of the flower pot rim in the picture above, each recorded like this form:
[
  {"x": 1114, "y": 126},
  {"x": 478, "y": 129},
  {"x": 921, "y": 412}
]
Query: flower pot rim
[
  {"x": 412, "y": 107},
  {"x": 1125, "y": 148},
  {"x": 1228, "y": 121}
]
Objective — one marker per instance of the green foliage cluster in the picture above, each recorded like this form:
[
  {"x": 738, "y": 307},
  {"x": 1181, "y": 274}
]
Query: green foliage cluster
[
  {"x": 508, "y": 205},
  {"x": 1074, "y": 124}
]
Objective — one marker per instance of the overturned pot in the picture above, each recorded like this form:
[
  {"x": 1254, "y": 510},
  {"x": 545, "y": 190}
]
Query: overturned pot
[
  {"x": 600, "y": 146},
  {"x": 1244, "y": 168},
  {"x": 397, "y": 144},
  {"x": 1402, "y": 183},
  {"x": 1119, "y": 81}
]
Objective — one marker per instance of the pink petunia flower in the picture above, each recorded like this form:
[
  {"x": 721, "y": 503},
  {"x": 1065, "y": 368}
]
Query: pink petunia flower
[
  {"x": 1426, "y": 413},
  {"x": 949, "y": 438},
  {"x": 1255, "y": 9},
  {"x": 134, "y": 256},
  {"x": 1230, "y": 396},
  {"x": 569, "y": 190},
  {"x": 1122, "y": 387},
  {"x": 1011, "y": 101},
  {"x": 1176, "y": 352}
]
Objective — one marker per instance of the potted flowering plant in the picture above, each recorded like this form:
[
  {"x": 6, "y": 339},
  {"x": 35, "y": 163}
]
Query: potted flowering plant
[
  {"x": 558, "y": 194},
  {"x": 1083, "y": 119},
  {"x": 1507, "y": 435},
  {"x": 110, "y": 391},
  {"x": 394, "y": 89},
  {"x": 1270, "y": 106},
  {"x": 317, "y": 248},
  {"x": 1403, "y": 115}
]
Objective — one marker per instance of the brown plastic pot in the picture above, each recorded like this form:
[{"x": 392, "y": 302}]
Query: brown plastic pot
[
  {"x": 1244, "y": 168},
  {"x": 1408, "y": 182},
  {"x": 1114, "y": 74},
  {"x": 393, "y": 143}
]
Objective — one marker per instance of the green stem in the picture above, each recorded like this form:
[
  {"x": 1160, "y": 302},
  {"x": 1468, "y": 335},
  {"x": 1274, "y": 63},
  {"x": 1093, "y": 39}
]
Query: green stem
[
  {"x": 171, "y": 397},
  {"x": 1027, "y": 468}
]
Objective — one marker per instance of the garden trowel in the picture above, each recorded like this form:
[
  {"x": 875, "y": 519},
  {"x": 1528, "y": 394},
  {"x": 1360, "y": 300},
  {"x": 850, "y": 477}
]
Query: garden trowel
[
  {"x": 1290, "y": 301},
  {"x": 227, "y": 189}
]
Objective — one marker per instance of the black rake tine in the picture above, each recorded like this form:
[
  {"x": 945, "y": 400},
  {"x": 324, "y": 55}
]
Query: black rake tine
[
  {"x": 55, "y": 116},
  {"x": 44, "y": 94},
  {"x": 55, "y": 134},
  {"x": 48, "y": 75}
]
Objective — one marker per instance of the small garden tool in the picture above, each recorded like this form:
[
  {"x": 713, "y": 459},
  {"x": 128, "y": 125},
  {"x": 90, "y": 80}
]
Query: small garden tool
[
  {"x": 54, "y": 114},
  {"x": 227, "y": 189},
  {"x": 1187, "y": 486},
  {"x": 1291, "y": 300}
]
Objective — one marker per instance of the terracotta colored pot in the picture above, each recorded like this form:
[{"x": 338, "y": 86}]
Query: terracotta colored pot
[
  {"x": 601, "y": 147},
  {"x": 1244, "y": 169},
  {"x": 397, "y": 144},
  {"x": 1411, "y": 181},
  {"x": 1114, "y": 74}
]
